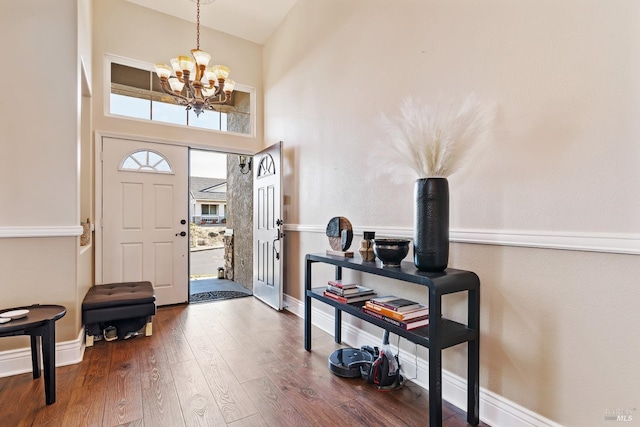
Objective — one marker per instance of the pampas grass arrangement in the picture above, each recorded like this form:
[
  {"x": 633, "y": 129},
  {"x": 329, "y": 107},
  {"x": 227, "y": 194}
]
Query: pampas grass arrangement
[{"x": 433, "y": 141}]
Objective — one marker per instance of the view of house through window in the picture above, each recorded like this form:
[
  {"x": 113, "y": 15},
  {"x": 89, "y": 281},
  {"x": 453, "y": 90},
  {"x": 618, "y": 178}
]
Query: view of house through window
[{"x": 137, "y": 93}]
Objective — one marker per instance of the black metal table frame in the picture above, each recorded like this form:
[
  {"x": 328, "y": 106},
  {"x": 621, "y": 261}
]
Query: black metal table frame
[
  {"x": 46, "y": 330},
  {"x": 436, "y": 337}
]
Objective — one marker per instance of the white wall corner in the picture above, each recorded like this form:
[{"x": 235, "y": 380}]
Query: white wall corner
[{"x": 495, "y": 410}]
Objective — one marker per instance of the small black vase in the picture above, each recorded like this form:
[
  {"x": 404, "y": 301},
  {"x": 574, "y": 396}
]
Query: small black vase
[{"x": 431, "y": 234}]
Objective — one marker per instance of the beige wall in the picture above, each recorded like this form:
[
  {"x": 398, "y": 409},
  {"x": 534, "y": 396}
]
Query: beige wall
[
  {"x": 559, "y": 328},
  {"x": 39, "y": 164},
  {"x": 117, "y": 31}
]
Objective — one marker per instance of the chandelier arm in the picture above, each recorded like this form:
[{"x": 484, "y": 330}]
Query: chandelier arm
[
  {"x": 187, "y": 83},
  {"x": 167, "y": 89},
  {"x": 212, "y": 101}
]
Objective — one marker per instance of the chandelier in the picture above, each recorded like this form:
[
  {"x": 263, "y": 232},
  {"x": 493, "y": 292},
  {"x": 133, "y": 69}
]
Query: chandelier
[{"x": 201, "y": 90}]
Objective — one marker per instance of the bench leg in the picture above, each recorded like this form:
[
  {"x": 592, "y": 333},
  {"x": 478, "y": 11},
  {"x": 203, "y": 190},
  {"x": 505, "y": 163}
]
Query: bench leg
[
  {"x": 88, "y": 342},
  {"x": 148, "y": 331}
]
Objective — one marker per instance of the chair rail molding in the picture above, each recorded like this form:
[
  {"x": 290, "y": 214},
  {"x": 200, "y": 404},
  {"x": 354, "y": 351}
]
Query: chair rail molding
[
  {"x": 41, "y": 231},
  {"x": 616, "y": 243}
]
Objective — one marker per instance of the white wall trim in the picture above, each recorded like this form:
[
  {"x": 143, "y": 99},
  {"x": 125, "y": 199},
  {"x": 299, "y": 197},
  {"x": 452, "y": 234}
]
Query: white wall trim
[
  {"x": 41, "y": 231},
  {"x": 495, "y": 410},
  {"x": 18, "y": 361},
  {"x": 617, "y": 243}
]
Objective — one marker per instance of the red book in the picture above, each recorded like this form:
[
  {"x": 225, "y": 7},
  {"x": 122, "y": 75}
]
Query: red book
[{"x": 407, "y": 326}]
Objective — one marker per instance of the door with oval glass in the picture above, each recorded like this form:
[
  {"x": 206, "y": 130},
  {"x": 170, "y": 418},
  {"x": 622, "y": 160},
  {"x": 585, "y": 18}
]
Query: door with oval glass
[
  {"x": 267, "y": 226},
  {"x": 144, "y": 216}
]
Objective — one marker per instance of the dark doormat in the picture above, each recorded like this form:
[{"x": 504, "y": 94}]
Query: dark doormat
[{"x": 216, "y": 295}]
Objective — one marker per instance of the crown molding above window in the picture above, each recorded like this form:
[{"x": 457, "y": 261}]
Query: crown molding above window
[
  {"x": 616, "y": 243},
  {"x": 51, "y": 231}
]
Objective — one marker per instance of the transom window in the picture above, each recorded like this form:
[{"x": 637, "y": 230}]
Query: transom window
[
  {"x": 146, "y": 161},
  {"x": 135, "y": 92}
]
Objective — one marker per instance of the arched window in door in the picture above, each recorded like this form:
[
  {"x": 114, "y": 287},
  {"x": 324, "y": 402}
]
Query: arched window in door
[
  {"x": 267, "y": 166},
  {"x": 146, "y": 161}
]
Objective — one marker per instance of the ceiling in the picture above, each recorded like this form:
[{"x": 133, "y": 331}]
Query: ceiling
[{"x": 253, "y": 20}]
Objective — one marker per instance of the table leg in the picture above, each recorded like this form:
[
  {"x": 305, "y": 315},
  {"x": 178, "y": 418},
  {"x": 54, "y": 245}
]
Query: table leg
[
  {"x": 337, "y": 327},
  {"x": 307, "y": 307},
  {"x": 473, "y": 355},
  {"x": 435, "y": 362},
  {"x": 35, "y": 356},
  {"x": 49, "y": 359}
]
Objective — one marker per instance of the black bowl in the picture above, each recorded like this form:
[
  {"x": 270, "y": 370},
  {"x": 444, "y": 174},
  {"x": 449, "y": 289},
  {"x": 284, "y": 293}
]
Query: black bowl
[{"x": 391, "y": 251}]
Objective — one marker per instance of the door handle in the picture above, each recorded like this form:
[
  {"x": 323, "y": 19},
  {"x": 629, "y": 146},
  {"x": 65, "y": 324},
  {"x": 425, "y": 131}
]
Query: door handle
[
  {"x": 279, "y": 236},
  {"x": 182, "y": 233}
]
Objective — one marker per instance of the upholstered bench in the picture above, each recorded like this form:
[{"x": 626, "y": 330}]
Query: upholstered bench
[{"x": 127, "y": 306}]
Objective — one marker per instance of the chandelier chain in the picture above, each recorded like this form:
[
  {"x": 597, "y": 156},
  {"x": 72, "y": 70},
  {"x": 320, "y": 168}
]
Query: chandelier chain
[{"x": 198, "y": 27}]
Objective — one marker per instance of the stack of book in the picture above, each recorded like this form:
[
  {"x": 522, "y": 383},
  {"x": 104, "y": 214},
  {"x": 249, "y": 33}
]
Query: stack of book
[
  {"x": 403, "y": 313},
  {"x": 347, "y": 292}
]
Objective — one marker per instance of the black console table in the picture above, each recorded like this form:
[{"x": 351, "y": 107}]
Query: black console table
[{"x": 437, "y": 336}]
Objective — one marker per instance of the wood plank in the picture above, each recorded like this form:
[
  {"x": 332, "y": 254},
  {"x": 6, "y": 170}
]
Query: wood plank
[
  {"x": 231, "y": 397},
  {"x": 276, "y": 409},
  {"x": 95, "y": 360},
  {"x": 21, "y": 399},
  {"x": 198, "y": 404},
  {"x": 175, "y": 343},
  {"x": 302, "y": 395},
  {"x": 161, "y": 405},
  {"x": 252, "y": 421},
  {"x": 86, "y": 406},
  {"x": 123, "y": 400}
]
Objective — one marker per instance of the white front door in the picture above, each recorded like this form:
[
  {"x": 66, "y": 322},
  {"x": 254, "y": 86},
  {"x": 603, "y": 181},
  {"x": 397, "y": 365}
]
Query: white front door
[
  {"x": 267, "y": 223},
  {"x": 145, "y": 211}
]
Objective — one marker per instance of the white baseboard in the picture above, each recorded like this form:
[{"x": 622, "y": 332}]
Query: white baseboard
[
  {"x": 495, "y": 410},
  {"x": 18, "y": 361}
]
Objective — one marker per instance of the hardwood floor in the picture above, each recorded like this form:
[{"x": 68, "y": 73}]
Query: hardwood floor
[{"x": 234, "y": 363}]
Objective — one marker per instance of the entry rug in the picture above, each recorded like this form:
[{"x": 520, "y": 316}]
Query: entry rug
[{"x": 216, "y": 295}]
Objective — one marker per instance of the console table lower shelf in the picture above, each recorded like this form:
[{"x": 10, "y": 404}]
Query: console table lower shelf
[{"x": 437, "y": 336}]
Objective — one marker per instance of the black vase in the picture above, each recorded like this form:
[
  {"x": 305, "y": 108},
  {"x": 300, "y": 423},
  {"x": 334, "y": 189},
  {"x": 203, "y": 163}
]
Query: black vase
[{"x": 431, "y": 234}]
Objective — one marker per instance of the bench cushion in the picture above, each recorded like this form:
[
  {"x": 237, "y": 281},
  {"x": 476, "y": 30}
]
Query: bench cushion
[{"x": 119, "y": 295}]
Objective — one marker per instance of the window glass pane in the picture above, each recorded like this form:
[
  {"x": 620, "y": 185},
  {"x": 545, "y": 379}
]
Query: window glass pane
[
  {"x": 130, "y": 107},
  {"x": 129, "y": 163},
  {"x": 169, "y": 113},
  {"x": 208, "y": 119},
  {"x": 154, "y": 158},
  {"x": 130, "y": 77},
  {"x": 140, "y": 157},
  {"x": 223, "y": 121},
  {"x": 163, "y": 166}
]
